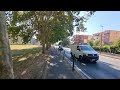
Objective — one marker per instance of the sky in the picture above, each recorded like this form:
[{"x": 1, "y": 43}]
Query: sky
[{"x": 110, "y": 20}]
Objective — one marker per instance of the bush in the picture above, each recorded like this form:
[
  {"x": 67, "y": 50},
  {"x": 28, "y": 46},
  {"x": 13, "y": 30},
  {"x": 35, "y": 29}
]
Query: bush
[
  {"x": 90, "y": 42},
  {"x": 103, "y": 49},
  {"x": 97, "y": 48},
  {"x": 114, "y": 49},
  {"x": 65, "y": 42},
  {"x": 117, "y": 43},
  {"x": 111, "y": 49},
  {"x": 96, "y": 42},
  {"x": 106, "y": 49}
]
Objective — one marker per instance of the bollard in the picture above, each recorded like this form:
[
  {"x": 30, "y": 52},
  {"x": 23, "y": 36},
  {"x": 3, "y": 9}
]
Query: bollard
[
  {"x": 73, "y": 64},
  {"x": 63, "y": 54}
]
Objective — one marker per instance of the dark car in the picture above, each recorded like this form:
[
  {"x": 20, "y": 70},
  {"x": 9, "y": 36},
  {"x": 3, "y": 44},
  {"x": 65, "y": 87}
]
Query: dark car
[{"x": 60, "y": 48}]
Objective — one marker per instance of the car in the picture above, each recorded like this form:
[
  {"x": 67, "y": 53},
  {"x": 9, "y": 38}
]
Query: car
[
  {"x": 84, "y": 53},
  {"x": 60, "y": 48}
]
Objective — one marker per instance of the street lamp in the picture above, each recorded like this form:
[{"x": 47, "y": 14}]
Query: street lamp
[{"x": 101, "y": 40}]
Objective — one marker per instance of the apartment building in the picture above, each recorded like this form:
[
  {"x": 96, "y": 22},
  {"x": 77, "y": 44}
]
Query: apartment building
[
  {"x": 81, "y": 38},
  {"x": 108, "y": 36}
]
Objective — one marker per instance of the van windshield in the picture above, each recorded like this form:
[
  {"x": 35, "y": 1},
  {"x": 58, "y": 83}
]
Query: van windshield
[{"x": 87, "y": 48}]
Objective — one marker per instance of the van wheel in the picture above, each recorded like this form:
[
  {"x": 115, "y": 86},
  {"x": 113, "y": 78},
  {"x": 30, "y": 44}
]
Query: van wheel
[
  {"x": 80, "y": 58},
  {"x": 94, "y": 62}
]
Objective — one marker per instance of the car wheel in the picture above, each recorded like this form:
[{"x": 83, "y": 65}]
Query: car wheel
[
  {"x": 94, "y": 62},
  {"x": 80, "y": 58}
]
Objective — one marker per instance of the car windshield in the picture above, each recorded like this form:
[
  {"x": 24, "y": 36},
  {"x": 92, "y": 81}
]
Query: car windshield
[{"x": 87, "y": 48}]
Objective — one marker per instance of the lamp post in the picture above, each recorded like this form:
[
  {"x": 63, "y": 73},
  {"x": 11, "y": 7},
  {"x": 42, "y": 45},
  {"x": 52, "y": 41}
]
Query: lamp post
[{"x": 101, "y": 40}]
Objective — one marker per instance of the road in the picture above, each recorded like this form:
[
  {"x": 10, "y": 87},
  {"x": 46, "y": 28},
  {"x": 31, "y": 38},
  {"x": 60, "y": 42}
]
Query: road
[
  {"x": 58, "y": 68},
  {"x": 105, "y": 68}
]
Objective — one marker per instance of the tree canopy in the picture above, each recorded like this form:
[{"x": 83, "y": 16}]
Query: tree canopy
[{"x": 48, "y": 26}]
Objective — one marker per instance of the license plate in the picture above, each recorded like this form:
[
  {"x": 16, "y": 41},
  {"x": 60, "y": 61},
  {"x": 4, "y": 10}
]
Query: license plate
[{"x": 93, "y": 59}]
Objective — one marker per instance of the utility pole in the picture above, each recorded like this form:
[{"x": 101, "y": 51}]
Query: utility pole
[{"x": 101, "y": 40}]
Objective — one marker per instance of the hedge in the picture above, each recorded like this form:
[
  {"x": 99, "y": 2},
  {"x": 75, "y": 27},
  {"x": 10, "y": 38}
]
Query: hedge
[{"x": 111, "y": 49}]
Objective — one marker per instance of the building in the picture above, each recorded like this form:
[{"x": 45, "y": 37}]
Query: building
[
  {"x": 33, "y": 41},
  {"x": 18, "y": 41},
  {"x": 81, "y": 38},
  {"x": 89, "y": 37},
  {"x": 108, "y": 36},
  {"x": 96, "y": 36}
]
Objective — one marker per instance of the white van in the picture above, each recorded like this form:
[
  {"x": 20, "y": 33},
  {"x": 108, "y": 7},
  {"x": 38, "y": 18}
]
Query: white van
[{"x": 84, "y": 52}]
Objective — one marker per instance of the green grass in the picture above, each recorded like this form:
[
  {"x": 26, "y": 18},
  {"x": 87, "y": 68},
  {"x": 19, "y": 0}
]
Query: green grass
[
  {"x": 20, "y": 50},
  {"x": 18, "y": 56},
  {"x": 26, "y": 51},
  {"x": 23, "y": 57}
]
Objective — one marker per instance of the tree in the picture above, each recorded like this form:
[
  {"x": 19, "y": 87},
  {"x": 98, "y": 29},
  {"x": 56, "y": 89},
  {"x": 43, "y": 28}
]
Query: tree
[
  {"x": 19, "y": 26},
  {"x": 117, "y": 43},
  {"x": 60, "y": 27},
  {"x": 91, "y": 42},
  {"x": 81, "y": 20},
  {"x": 96, "y": 42},
  {"x": 6, "y": 67},
  {"x": 51, "y": 26},
  {"x": 65, "y": 42}
]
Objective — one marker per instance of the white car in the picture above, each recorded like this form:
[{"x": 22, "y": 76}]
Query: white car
[{"x": 84, "y": 52}]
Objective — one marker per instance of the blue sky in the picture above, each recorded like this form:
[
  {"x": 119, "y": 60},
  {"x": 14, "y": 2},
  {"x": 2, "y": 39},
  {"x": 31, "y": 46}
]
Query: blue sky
[{"x": 109, "y": 19}]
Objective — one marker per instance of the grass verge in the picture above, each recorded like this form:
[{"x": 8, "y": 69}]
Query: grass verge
[{"x": 28, "y": 62}]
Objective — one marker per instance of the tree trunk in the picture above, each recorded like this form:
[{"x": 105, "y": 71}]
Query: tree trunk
[
  {"x": 43, "y": 42},
  {"x": 47, "y": 45},
  {"x": 43, "y": 48},
  {"x": 6, "y": 66}
]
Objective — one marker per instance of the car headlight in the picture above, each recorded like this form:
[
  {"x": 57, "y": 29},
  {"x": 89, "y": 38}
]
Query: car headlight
[{"x": 95, "y": 54}]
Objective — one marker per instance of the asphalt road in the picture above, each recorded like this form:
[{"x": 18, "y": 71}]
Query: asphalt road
[{"x": 105, "y": 68}]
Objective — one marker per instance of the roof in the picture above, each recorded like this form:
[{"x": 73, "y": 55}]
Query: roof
[{"x": 84, "y": 45}]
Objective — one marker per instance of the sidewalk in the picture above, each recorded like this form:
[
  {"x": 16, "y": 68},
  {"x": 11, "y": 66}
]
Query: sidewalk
[
  {"x": 110, "y": 55},
  {"x": 58, "y": 68}
]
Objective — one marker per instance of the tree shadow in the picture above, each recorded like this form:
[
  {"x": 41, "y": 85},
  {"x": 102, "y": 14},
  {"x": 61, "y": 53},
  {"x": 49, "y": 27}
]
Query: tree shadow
[
  {"x": 28, "y": 63},
  {"x": 58, "y": 68}
]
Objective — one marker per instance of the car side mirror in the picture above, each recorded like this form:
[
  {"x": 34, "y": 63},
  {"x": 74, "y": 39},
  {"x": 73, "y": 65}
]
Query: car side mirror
[{"x": 78, "y": 49}]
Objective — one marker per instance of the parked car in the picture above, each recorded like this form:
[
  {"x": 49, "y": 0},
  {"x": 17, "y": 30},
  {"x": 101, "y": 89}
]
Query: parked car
[
  {"x": 60, "y": 48},
  {"x": 84, "y": 52}
]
